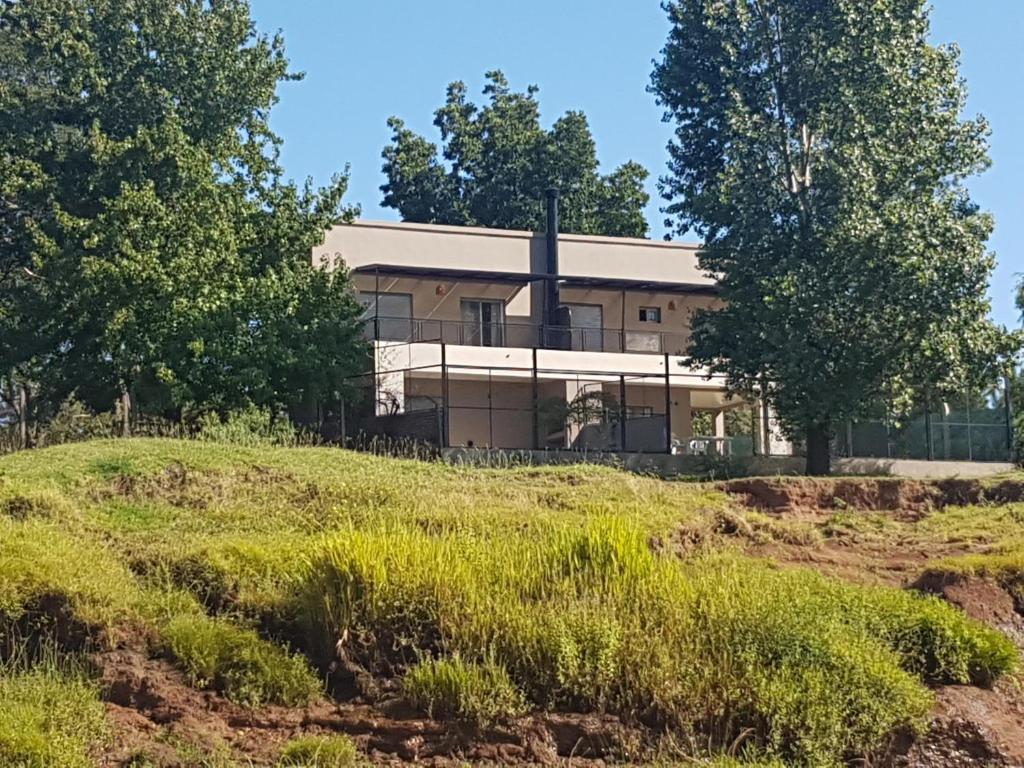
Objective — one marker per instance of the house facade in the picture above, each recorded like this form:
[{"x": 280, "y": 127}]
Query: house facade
[{"x": 517, "y": 340}]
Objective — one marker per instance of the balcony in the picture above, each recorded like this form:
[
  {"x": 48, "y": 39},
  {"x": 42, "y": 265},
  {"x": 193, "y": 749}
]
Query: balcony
[{"x": 524, "y": 336}]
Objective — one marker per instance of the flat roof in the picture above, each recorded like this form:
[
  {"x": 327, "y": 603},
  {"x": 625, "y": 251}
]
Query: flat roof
[
  {"x": 522, "y": 278},
  {"x": 518, "y": 234}
]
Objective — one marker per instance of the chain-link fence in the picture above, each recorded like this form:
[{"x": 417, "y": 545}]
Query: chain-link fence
[
  {"x": 968, "y": 426},
  {"x": 421, "y": 392}
]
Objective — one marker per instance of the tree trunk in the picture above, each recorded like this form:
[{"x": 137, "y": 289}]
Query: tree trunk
[
  {"x": 819, "y": 450},
  {"x": 23, "y": 415},
  {"x": 126, "y": 410}
]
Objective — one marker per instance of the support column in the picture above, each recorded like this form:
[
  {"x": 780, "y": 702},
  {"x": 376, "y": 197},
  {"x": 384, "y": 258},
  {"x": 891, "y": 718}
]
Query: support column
[
  {"x": 622, "y": 325},
  {"x": 23, "y": 415},
  {"x": 376, "y": 304},
  {"x": 445, "y": 400},
  {"x": 126, "y": 411},
  {"x": 930, "y": 448},
  {"x": 668, "y": 406},
  {"x": 344, "y": 426},
  {"x": 622, "y": 413},
  {"x": 682, "y": 415},
  {"x": 1009, "y": 419},
  {"x": 720, "y": 424},
  {"x": 772, "y": 441},
  {"x": 536, "y": 403}
]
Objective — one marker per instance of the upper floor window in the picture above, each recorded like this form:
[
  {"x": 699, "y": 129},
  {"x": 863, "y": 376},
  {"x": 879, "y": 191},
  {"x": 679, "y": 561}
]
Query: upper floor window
[
  {"x": 650, "y": 314},
  {"x": 483, "y": 322},
  {"x": 387, "y": 316}
]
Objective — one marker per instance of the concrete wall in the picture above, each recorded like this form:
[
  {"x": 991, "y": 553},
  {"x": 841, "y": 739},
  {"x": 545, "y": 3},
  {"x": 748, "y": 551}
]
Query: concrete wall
[
  {"x": 757, "y": 466},
  {"x": 363, "y": 243},
  {"x": 630, "y": 259}
]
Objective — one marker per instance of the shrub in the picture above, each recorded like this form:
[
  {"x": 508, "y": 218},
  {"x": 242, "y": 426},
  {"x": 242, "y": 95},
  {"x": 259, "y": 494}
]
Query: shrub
[
  {"x": 933, "y": 639},
  {"x": 50, "y": 715},
  {"x": 238, "y": 663},
  {"x": 251, "y": 426},
  {"x": 480, "y": 694},
  {"x": 336, "y": 751}
]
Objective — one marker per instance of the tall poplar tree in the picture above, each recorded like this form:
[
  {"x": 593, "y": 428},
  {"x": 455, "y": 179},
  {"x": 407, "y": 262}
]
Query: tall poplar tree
[{"x": 821, "y": 152}]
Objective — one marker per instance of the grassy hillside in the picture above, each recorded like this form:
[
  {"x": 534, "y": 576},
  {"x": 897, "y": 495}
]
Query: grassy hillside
[{"x": 279, "y": 576}]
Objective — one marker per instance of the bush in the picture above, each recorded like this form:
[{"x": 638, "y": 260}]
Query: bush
[
  {"x": 320, "y": 752},
  {"x": 249, "y": 427},
  {"x": 934, "y": 640},
  {"x": 236, "y": 662},
  {"x": 50, "y": 715},
  {"x": 480, "y": 694}
]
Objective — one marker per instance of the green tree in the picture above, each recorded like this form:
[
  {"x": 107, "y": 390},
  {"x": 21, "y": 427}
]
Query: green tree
[
  {"x": 152, "y": 247},
  {"x": 820, "y": 151},
  {"x": 496, "y": 162}
]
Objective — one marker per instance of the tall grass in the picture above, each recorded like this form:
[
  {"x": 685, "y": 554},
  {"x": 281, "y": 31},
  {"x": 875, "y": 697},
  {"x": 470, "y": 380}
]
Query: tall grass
[
  {"x": 479, "y": 592},
  {"x": 50, "y": 714},
  {"x": 217, "y": 654},
  {"x": 588, "y": 619},
  {"x": 452, "y": 689}
]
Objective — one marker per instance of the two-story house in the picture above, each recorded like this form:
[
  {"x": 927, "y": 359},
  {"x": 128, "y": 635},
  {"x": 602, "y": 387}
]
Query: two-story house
[{"x": 518, "y": 340}]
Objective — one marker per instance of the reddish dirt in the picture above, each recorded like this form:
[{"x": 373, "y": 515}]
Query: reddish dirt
[
  {"x": 806, "y": 494},
  {"x": 981, "y": 599},
  {"x": 907, "y": 498},
  {"x": 152, "y": 708},
  {"x": 971, "y": 727}
]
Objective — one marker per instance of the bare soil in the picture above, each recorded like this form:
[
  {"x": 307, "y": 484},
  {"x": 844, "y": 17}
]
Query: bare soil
[
  {"x": 153, "y": 710},
  {"x": 906, "y": 498}
]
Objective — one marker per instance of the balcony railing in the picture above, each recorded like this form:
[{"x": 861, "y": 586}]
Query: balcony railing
[{"x": 525, "y": 336}]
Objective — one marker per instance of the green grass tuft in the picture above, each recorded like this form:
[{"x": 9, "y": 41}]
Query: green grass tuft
[
  {"x": 478, "y": 693},
  {"x": 50, "y": 715},
  {"x": 336, "y": 751},
  {"x": 236, "y": 662}
]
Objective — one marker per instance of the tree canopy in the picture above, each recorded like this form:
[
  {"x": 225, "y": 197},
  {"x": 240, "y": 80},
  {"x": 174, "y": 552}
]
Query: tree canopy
[
  {"x": 820, "y": 151},
  {"x": 496, "y": 161},
  {"x": 150, "y": 244}
]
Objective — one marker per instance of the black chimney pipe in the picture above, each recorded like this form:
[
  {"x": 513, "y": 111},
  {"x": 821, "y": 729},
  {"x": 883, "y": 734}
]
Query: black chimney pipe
[{"x": 551, "y": 301}]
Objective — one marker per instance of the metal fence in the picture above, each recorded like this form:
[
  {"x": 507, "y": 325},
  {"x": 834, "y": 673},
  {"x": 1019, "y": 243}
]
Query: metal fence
[
  {"x": 522, "y": 408},
  {"x": 970, "y": 426}
]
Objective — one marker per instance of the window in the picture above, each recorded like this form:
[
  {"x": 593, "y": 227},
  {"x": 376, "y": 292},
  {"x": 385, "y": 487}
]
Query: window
[
  {"x": 483, "y": 323},
  {"x": 586, "y": 322},
  {"x": 388, "y": 316},
  {"x": 418, "y": 403},
  {"x": 650, "y": 314}
]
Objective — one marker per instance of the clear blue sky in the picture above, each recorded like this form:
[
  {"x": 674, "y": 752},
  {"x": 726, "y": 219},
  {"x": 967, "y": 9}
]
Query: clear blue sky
[{"x": 365, "y": 61}]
